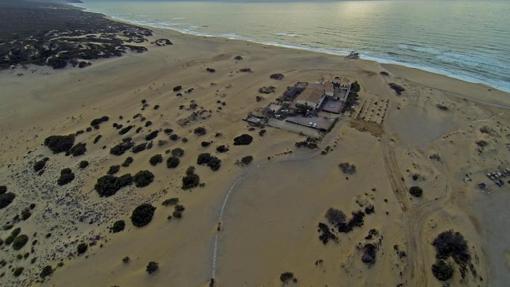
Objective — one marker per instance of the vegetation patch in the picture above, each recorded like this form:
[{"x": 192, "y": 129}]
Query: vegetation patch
[
  {"x": 40, "y": 165},
  {"x": 212, "y": 162},
  {"x": 347, "y": 168},
  {"x": 125, "y": 130},
  {"x": 177, "y": 152},
  {"x": 59, "y": 143},
  {"x": 288, "y": 277},
  {"x": 222, "y": 149},
  {"x": 200, "y": 131},
  {"x": 19, "y": 242},
  {"x": 337, "y": 218},
  {"x": 246, "y": 160},
  {"x": 14, "y": 233},
  {"x": 416, "y": 191},
  {"x": 108, "y": 185},
  {"x": 171, "y": 201},
  {"x": 442, "y": 270},
  {"x": 369, "y": 253},
  {"x": 142, "y": 215},
  {"x": 277, "y": 76},
  {"x": 122, "y": 147},
  {"x": 156, "y": 159},
  {"x": 6, "y": 199},
  {"x": 191, "y": 179},
  {"x": 17, "y": 271},
  {"x": 451, "y": 245},
  {"x": 139, "y": 148},
  {"x": 143, "y": 178},
  {"x": 127, "y": 162},
  {"x": 178, "y": 210},
  {"x": 152, "y": 267},
  {"x": 83, "y": 164},
  {"x": 172, "y": 162},
  {"x": 244, "y": 139},
  {"x": 151, "y": 135},
  {"x": 113, "y": 169},
  {"x": 326, "y": 234},
  {"x": 77, "y": 150},
  {"x": 118, "y": 226},
  {"x": 98, "y": 121},
  {"x": 82, "y": 248},
  {"x": 46, "y": 271},
  {"x": 311, "y": 143},
  {"x": 267, "y": 90},
  {"x": 66, "y": 176}
]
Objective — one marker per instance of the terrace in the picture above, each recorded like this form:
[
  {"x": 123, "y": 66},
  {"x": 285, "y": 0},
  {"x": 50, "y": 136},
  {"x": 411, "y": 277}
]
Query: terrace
[{"x": 306, "y": 108}]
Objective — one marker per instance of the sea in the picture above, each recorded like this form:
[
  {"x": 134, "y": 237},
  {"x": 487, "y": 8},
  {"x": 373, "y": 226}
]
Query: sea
[{"x": 464, "y": 39}]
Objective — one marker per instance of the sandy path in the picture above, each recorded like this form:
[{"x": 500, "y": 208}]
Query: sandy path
[{"x": 227, "y": 202}]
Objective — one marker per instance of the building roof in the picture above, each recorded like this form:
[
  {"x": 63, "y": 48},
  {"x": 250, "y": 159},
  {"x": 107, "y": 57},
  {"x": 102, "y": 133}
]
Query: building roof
[
  {"x": 274, "y": 107},
  {"x": 312, "y": 94},
  {"x": 329, "y": 88}
]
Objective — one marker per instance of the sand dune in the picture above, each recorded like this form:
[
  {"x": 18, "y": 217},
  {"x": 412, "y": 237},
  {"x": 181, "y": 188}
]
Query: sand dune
[{"x": 441, "y": 134}]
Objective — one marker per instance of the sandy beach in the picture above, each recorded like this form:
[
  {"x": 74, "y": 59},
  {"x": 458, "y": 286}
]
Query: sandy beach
[{"x": 246, "y": 225}]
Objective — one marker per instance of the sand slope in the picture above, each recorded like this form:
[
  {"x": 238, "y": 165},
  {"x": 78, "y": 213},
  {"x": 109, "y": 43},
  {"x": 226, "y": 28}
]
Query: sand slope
[{"x": 269, "y": 224}]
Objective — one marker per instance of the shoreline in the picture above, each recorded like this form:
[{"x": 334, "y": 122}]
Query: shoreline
[{"x": 329, "y": 51}]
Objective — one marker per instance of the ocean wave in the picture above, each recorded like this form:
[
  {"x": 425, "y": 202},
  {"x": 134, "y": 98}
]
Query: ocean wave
[
  {"x": 421, "y": 49},
  {"x": 286, "y": 34}
]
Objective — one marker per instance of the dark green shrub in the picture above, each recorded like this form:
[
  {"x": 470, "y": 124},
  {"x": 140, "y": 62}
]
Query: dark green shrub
[
  {"x": 247, "y": 160},
  {"x": 66, "y": 176},
  {"x": 200, "y": 131},
  {"x": 46, "y": 271},
  {"x": 6, "y": 199},
  {"x": 416, "y": 191},
  {"x": 142, "y": 215},
  {"x": 19, "y": 241},
  {"x": 156, "y": 159},
  {"x": 17, "y": 271},
  {"x": 25, "y": 214},
  {"x": 118, "y": 226},
  {"x": 82, "y": 248},
  {"x": 39, "y": 165},
  {"x": 108, "y": 185},
  {"x": 143, "y": 178},
  {"x": 178, "y": 152},
  {"x": 442, "y": 270},
  {"x": 83, "y": 164},
  {"x": 243, "y": 139},
  {"x": 172, "y": 162},
  {"x": 127, "y": 162},
  {"x": 58, "y": 144},
  {"x": 190, "y": 180},
  {"x": 170, "y": 201},
  {"x": 77, "y": 150},
  {"x": 113, "y": 169},
  {"x": 152, "y": 267},
  {"x": 287, "y": 277}
]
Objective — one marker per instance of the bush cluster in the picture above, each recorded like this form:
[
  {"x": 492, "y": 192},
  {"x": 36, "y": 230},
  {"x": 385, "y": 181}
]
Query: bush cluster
[
  {"x": 66, "y": 176},
  {"x": 209, "y": 160},
  {"x": 244, "y": 139},
  {"x": 142, "y": 215},
  {"x": 59, "y": 143},
  {"x": 190, "y": 180},
  {"x": 108, "y": 185},
  {"x": 143, "y": 178}
]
